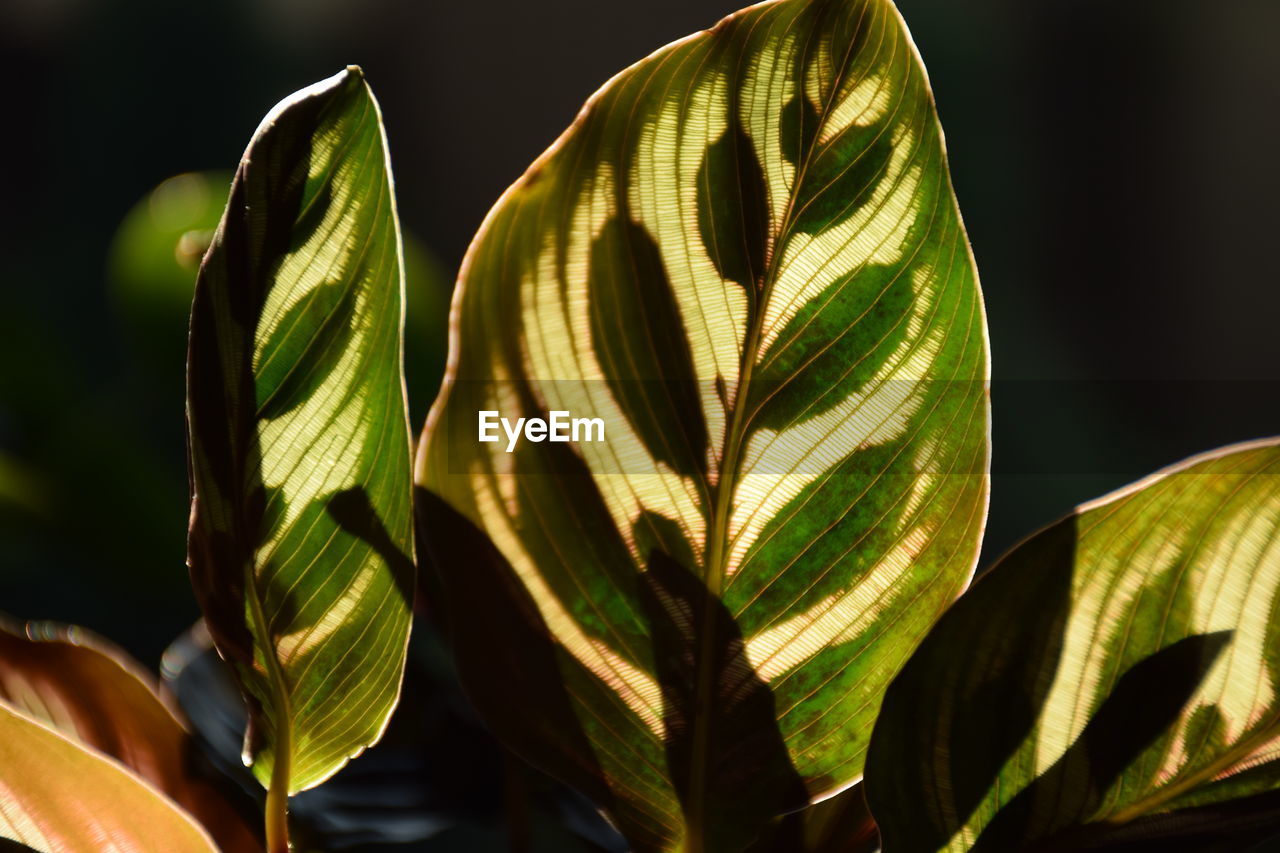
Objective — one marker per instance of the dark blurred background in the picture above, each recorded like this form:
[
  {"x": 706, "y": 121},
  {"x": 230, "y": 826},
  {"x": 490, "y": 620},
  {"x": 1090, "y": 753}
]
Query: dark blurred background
[{"x": 1115, "y": 162}]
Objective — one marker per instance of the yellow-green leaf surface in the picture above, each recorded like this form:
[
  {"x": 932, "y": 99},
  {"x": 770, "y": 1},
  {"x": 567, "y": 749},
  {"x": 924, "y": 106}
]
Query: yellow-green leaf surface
[
  {"x": 59, "y": 797},
  {"x": 93, "y": 693},
  {"x": 300, "y": 546},
  {"x": 746, "y": 260},
  {"x": 1122, "y": 663}
]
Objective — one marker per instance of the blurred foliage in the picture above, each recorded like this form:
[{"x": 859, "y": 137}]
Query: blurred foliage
[
  {"x": 426, "y": 329},
  {"x": 152, "y": 267}
]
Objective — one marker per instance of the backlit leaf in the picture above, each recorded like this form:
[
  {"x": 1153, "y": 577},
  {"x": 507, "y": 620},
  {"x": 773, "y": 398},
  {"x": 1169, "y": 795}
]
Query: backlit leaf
[
  {"x": 1121, "y": 664},
  {"x": 94, "y": 694},
  {"x": 300, "y": 546},
  {"x": 58, "y": 796},
  {"x": 745, "y": 259}
]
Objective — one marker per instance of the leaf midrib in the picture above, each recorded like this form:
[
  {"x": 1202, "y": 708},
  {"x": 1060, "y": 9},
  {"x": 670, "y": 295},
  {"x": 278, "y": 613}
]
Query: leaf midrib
[{"x": 731, "y": 460}]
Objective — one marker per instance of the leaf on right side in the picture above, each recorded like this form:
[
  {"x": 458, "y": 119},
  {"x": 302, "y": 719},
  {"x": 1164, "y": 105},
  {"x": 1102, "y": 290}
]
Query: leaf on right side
[{"x": 1119, "y": 666}]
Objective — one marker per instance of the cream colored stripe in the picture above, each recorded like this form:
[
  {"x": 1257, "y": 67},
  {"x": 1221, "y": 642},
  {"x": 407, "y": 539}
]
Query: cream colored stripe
[
  {"x": 638, "y": 690},
  {"x": 837, "y": 618},
  {"x": 662, "y": 192},
  {"x": 569, "y": 377},
  {"x": 779, "y": 464}
]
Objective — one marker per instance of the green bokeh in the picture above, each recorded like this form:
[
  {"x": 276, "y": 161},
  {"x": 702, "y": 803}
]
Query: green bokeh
[{"x": 152, "y": 266}]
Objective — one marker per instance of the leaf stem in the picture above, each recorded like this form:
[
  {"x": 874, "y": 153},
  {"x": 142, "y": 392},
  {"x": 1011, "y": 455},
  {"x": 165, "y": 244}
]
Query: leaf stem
[
  {"x": 277, "y": 805},
  {"x": 277, "y": 817}
]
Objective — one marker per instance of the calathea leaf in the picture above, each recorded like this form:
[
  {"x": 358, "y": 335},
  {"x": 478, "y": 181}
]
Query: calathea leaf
[
  {"x": 57, "y": 795},
  {"x": 300, "y": 547},
  {"x": 1120, "y": 664},
  {"x": 95, "y": 695},
  {"x": 745, "y": 259}
]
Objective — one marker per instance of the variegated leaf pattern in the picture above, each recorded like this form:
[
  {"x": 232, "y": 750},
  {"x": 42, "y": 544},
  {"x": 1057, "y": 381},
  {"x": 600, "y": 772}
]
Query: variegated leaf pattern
[
  {"x": 745, "y": 258},
  {"x": 300, "y": 546},
  {"x": 57, "y": 796},
  {"x": 1122, "y": 663}
]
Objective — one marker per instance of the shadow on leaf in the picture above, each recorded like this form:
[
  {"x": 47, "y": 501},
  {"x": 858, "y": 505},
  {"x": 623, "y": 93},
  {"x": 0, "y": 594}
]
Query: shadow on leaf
[{"x": 1144, "y": 703}]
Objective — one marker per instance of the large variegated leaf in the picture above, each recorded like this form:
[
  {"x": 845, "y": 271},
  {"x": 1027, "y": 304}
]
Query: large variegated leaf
[
  {"x": 57, "y": 796},
  {"x": 1122, "y": 663},
  {"x": 94, "y": 694},
  {"x": 746, "y": 260},
  {"x": 300, "y": 545}
]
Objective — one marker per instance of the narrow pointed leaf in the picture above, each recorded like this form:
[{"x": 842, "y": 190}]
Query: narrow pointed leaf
[
  {"x": 1120, "y": 664},
  {"x": 840, "y": 824},
  {"x": 300, "y": 546},
  {"x": 56, "y": 795},
  {"x": 94, "y": 694},
  {"x": 746, "y": 260}
]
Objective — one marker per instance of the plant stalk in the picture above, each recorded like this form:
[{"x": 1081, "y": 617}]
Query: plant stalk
[
  {"x": 277, "y": 817},
  {"x": 277, "y": 805}
]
